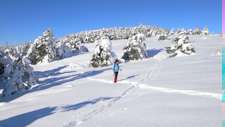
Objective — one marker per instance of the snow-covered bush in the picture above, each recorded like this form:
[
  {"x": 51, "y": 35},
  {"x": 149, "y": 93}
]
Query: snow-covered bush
[
  {"x": 18, "y": 50},
  {"x": 43, "y": 48},
  {"x": 181, "y": 46},
  {"x": 162, "y": 37},
  {"x": 118, "y": 33},
  {"x": 197, "y": 31},
  {"x": 135, "y": 49},
  {"x": 15, "y": 73},
  {"x": 69, "y": 47},
  {"x": 103, "y": 54}
]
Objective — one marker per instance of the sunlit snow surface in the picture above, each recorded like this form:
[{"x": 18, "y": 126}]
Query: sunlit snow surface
[{"x": 155, "y": 92}]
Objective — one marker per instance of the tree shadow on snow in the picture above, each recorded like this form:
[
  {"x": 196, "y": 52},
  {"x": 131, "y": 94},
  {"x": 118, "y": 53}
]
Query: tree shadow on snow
[
  {"x": 37, "y": 75},
  {"x": 85, "y": 103},
  {"x": 55, "y": 81},
  {"x": 153, "y": 52},
  {"x": 52, "y": 72},
  {"x": 25, "y": 119}
]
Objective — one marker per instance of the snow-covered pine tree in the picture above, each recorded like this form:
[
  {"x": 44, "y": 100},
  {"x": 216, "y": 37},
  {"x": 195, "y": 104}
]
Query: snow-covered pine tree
[
  {"x": 182, "y": 46},
  {"x": 43, "y": 49},
  {"x": 118, "y": 33},
  {"x": 197, "y": 31},
  {"x": 15, "y": 73},
  {"x": 47, "y": 49},
  {"x": 136, "y": 48},
  {"x": 205, "y": 31},
  {"x": 17, "y": 51},
  {"x": 103, "y": 54}
]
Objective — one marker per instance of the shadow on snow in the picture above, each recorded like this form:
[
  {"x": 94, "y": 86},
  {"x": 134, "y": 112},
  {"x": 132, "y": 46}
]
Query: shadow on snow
[
  {"x": 54, "y": 80},
  {"x": 153, "y": 52},
  {"x": 85, "y": 103},
  {"x": 129, "y": 77},
  {"x": 25, "y": 119}
]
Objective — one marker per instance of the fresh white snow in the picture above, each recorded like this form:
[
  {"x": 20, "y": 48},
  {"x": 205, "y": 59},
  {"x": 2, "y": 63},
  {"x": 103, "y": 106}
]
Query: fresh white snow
[{"x": 153, "y": 92}]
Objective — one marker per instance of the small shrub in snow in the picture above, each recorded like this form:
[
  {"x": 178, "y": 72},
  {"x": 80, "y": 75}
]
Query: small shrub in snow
[
  {"x": 181, "y": 46},
  {"x": 135, "y": 49},
  {"x": 103, "y": 54}
]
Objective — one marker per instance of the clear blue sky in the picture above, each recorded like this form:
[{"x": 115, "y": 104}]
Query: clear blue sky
[{"x": 22, "y": 20}]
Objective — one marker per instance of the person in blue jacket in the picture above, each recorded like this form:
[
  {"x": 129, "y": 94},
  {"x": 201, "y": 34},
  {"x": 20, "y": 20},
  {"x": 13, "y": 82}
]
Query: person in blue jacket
[{"x": 116, "y": 69}]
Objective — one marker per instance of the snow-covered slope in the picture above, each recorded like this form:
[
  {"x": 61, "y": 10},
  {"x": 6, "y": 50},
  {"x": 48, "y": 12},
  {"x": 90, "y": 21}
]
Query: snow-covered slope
[{"x": 154, "y": 92}]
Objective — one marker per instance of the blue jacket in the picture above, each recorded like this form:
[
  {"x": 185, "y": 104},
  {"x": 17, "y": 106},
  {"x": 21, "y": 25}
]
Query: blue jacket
[{"x": 116, "y": 67}]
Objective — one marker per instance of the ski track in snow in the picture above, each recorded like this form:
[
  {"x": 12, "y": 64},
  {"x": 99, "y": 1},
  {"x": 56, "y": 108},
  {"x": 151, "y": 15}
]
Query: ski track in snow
[
  {"x": 164, "y": 89},
  {"x": 155, "y": 70},
  {"x": 153, "y": 73},
  {"x": 105, "y": 105}
]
